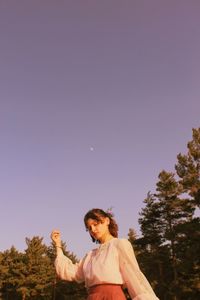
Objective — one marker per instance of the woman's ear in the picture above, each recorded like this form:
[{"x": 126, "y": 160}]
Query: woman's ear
[{"x": 107, "y": 221}]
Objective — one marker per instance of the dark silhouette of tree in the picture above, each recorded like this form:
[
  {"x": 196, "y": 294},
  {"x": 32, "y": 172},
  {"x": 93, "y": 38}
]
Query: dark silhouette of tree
[
  {"x": 188, "y": 168},
  {"x": 12, "y": 274},
  {"x": 39, "y": 271},
  {"x": 168, "y": 250},
  {"x": 31, "y": 275}
]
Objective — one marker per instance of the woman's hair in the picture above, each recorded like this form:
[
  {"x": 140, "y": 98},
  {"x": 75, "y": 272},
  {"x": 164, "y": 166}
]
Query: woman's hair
[{"x": 97, "y": 214}]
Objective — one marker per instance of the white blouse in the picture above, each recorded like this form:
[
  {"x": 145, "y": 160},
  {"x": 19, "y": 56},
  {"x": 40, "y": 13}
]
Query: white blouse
[{"x": 112, "y": 262}]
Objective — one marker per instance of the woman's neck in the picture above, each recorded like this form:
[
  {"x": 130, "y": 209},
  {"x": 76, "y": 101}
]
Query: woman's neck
[{"x": 107, "y": 238}]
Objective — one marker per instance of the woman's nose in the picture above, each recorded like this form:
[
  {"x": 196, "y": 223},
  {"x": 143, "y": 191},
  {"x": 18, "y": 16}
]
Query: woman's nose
[{"x": 93, "y": 228}]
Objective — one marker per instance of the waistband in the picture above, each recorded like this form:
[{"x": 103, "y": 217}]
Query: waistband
[{"x": 103, "y": 286}]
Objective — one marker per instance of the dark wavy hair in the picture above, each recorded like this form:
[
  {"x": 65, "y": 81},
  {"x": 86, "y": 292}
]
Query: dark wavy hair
[{"x": 97, "y": 214}]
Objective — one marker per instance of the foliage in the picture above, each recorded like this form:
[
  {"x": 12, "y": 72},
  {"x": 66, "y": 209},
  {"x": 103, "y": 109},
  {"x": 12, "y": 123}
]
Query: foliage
[
  {"x": 168, "y": 251},
  {"x": 31, "y": 275}
]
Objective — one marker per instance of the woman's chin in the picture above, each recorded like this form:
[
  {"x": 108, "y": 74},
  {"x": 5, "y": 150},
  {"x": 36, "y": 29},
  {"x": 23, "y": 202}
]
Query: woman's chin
[{"x": 96, "y": 236}]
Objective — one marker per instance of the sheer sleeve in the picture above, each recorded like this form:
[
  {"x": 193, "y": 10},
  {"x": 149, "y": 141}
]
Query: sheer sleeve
[
  {"x": 67, "y": 270},
  {"x": 135, "y": 281}
]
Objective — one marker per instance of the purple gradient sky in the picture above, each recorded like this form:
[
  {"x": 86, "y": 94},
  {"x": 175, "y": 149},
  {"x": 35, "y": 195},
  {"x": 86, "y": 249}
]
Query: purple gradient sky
[{"x": 120, "y": 76}]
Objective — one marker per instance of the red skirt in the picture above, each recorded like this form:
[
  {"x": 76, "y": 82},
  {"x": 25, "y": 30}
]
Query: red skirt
[{"x": 106, "y": 292}]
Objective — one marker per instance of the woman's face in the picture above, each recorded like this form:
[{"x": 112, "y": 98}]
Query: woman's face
[{"x": 98, "y": 229}]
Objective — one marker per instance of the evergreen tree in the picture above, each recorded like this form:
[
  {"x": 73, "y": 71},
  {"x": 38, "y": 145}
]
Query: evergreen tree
[
  {"x": 40, "y": 275},
  {"x": 151, "y": 254},
  {"x": 171, "y": 230},
  {"x": 132, "y": 236},
  {"x": 31, "y": 275},
  {"x": 188, "y": 168},
  {"x": 12, "y": 274},
  {"x": 175, "y": 211}
]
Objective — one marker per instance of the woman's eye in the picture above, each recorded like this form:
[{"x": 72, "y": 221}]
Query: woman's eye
[{"x": 93, "y": 225}]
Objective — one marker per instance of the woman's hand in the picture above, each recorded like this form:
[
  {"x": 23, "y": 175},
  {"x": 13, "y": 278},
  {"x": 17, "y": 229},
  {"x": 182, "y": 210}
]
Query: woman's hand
[{"x": 56, "y": 238}]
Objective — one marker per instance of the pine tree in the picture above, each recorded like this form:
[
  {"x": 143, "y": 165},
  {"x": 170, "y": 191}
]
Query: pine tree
[
  {"x": 31, "y": 275},
  {"x": 151, "y": 254},
  {"x": 188, "y": 168},
  {"x": 169, "y": 248},
  {"x": 175, "y": 211},
  {"x": 40, "y": 275},
  {"x": 132, "y": 235},
  {"x": 12, "y": 274}
]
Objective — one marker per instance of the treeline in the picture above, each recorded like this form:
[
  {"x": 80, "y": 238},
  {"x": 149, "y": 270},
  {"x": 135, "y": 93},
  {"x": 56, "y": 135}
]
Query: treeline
[
  {"x": 31, "y": 275},
  {"x": 168, "y": 250}
]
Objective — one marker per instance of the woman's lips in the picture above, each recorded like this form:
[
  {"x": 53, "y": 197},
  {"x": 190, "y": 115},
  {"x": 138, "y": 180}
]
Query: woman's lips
[{"x": 95, "y": 234}]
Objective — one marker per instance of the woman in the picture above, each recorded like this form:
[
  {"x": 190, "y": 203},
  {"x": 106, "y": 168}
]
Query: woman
[{"x": 108, "y": 267}]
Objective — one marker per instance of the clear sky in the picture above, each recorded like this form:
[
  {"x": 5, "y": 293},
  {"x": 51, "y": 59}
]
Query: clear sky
[{"x": 96, "y": 98}]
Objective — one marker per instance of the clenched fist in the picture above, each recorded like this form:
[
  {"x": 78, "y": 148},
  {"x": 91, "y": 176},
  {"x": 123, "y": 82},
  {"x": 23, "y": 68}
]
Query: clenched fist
[{"x": 56, "y": 238}]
